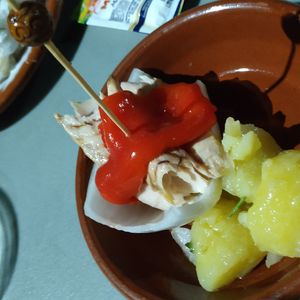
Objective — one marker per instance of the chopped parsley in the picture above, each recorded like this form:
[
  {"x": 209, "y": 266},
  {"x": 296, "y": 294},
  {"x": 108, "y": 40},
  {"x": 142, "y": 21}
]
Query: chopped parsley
[
  {"x": 237, "y": 207},
  {"x": 190, "y": 246}
]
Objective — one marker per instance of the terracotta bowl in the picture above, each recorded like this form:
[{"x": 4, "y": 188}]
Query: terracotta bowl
[
  {"x": 14, "y": 87},
  {"x": 247, "y": 54}
]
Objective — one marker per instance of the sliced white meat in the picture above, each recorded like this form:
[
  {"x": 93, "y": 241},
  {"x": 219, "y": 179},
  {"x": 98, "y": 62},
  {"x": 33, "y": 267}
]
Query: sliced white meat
[
  {"x": 212, "y": 155},
  {"x": 173, "y": 180},
  {"x": 83, "y": 129}
]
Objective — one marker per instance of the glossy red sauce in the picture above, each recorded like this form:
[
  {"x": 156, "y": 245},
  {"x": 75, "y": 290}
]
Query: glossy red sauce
[{"x": 169, "y": 116}]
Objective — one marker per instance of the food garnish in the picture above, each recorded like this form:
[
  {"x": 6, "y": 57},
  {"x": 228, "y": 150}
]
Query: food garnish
[
  {"x": 237, "y": 206},
  {"x": 190, "y": 246}
]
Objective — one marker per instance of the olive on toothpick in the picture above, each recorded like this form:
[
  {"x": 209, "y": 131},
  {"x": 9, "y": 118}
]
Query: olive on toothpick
[{"x": 31, "y": 25}]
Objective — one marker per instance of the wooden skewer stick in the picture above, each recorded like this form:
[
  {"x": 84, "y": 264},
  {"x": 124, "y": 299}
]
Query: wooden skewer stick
[
  {"x": 74, "y": 73},
  {"x": 13, "y": 4},
  {"x": 68, "y": 66}
]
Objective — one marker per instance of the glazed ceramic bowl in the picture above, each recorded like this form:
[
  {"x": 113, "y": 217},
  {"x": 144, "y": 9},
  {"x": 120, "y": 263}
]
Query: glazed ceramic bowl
[
  {"x": 247, "y": 54},
  {"x": 26, "y": 66}
]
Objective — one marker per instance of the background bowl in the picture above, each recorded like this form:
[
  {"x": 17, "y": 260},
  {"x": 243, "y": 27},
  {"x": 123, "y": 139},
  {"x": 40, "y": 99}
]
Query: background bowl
[
  {"x": 26, "y": 70},
  {"x": 247, "y": 54}
]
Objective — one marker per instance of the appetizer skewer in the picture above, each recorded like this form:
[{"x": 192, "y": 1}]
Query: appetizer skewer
[
  {"x": 31, "y": 25},
  {"x": 176, "y": 183}
]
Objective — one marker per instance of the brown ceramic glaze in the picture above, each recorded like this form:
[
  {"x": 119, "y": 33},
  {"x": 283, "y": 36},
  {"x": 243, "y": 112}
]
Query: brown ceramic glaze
[
  {"x": 247, "y": 52},
  {"x": 27, "y": 69}
]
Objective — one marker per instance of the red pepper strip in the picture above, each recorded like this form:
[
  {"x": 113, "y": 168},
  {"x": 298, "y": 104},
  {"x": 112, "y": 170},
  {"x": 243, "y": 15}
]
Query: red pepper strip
[{"x": 167, "y": 117}]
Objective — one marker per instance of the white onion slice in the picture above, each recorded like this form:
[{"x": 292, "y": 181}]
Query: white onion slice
[
  {"x": 140, "y": 218},
  {"x": 272, "y": 259},
  {"x": 182, "y": 236}
]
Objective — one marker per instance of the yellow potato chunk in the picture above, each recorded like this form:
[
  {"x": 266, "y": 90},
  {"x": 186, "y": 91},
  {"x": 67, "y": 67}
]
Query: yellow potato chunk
[
  {"x": 247, "y": 147},
  {"x": 223, "y": 248},
  {"x": 239, "y": 145},
  {"x": 274, "y": 218}
]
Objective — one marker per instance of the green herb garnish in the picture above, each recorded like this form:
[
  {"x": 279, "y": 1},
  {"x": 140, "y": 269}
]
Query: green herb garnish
[
  {"x": 190, "y": 246},
  {"x": 237, "y": 207}
]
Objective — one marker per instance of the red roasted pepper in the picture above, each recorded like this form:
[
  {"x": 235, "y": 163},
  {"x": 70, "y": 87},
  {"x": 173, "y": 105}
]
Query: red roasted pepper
[{"x": 169, "y": 116}]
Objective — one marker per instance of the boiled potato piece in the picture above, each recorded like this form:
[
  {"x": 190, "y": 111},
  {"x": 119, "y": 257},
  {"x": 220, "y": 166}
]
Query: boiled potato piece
[
  {"x": 223, "y": 248},
  {"x": 239, "y": 141},
  {"x": 247, "y": 146},
  {"x": 274, "y": 218}
]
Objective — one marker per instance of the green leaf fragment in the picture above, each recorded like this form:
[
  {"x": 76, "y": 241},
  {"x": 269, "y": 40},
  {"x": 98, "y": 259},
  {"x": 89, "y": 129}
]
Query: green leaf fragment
[
  {"x": 237, "y": 207},
  {"x": 190, "y": 246}
]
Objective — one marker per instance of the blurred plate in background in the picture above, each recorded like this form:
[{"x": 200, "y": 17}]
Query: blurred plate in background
[{"x": 28, "y": 62}]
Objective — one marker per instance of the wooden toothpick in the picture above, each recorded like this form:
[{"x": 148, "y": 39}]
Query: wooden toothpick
[
  {"x": 13, "y": 5},
  {"x": 74, "y": 73}
]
